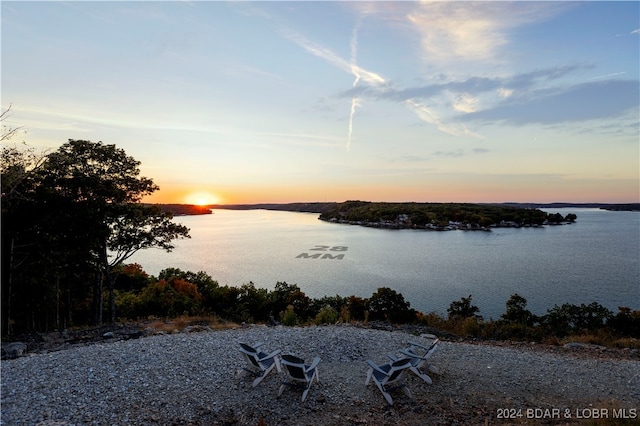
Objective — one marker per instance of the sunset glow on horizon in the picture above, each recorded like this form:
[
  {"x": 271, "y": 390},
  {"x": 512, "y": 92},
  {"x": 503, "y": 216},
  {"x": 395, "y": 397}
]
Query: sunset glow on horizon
[
  {"x": 199, "y": 198},
  {"x": 278, "y": 102}
]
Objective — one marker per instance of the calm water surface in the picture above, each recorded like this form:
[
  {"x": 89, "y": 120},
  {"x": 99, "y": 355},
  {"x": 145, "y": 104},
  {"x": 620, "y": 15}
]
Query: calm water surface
[{"x": 595, "y": 259}]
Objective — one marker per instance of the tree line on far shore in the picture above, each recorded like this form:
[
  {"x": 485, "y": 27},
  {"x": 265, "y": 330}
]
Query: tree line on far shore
[{"x": 421, "y": 215}]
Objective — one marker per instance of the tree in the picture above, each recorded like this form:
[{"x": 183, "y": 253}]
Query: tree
[
  {"x": 387, "y": 304},
  {"x": 568, "y": 318},
  {"x": 86, "y": 199},
  {"x": 571, "y": 217},
  {"x": 137, "y": 227},
  {"x": 285, "y": 295},
  {"x": 8, "y": 132},
  {"x": 252, "y": 303},
  {"x": 18, "y": 167},
  {"x": 106, "y": 184},
  {"x": 462, "y": 309},
  {"x": 516, "y": 312}
]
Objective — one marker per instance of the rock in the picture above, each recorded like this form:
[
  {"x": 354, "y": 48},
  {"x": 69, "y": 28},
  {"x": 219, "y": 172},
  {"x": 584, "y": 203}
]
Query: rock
[
  {"x": 577, "y": 345},
  {"x": 13, "y": 350}
]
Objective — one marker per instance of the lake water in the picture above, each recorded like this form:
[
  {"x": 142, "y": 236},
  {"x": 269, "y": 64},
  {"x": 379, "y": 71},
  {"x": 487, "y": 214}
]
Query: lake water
[{"x": 595, "y": 259}]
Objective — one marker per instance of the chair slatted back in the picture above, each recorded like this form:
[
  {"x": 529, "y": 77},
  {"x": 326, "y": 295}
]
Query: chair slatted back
[
  {"x": 295, "y": 366},
  {"x": 397, "y": 369},
  {"x": 250, "y": 353}
]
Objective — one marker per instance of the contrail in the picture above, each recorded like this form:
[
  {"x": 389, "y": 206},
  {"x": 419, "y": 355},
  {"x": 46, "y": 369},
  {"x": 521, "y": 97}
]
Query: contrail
[
  {"x": 355, "y": 70},
  {"x": 355, "y": 102}
]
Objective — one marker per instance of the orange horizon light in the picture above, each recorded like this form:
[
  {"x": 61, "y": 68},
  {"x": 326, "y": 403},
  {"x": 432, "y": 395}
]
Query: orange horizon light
[{"x": 202, "y": 198}]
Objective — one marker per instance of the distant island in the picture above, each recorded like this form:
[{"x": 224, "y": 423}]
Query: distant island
[
  {"x": 430, "y": 216},
  {"x": 440, "y": 216}
]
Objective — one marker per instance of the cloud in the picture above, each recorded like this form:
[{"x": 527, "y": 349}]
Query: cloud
[
  {"x": 615, "y": 74},
  {"x": 460, "y": 152},
  {"x": 452, "y": 30},
  {"x": 355, "y": 102},
  {"x": 476, "y": 30},
  {"x": 465, "y": 103},
  {"x": 350, "y": 66},
  {"x": 586, "y": 101},
  {"x": 331, "y": 57},
  {"x": 457, "y": 153},
  {"x": 427, "y": 115},
  {"x": 474, "y": 85}
]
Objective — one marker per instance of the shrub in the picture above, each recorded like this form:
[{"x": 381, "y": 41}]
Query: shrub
[
  {"x": 289, "y": 294},
  {"x": 431, "y": 319},
  {"x": 127, "y": 304},
  {"x": 470, "y": 327},
  {"x": 130, "y": 277},
  {"x": 289, "y": 317},
  {"x": 327, "y": 315},
  {"x": 573, "y": 319},
  {"x": 345, "y": 316},
  {"x": 357, "y": 307},
  {"x": 625, "y": 323},
  {"x": 157, "y": 299}
]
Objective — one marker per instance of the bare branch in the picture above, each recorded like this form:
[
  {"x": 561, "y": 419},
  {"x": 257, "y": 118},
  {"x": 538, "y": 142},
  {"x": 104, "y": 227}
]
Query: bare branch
[{"x": 7, "y": 132}]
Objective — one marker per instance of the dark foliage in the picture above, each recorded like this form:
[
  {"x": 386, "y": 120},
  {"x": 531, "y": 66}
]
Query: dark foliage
[
  {"x": 69, "y": 218},
  {"x": 418, "y": 215},
  {"x": 463, "y": 309}
]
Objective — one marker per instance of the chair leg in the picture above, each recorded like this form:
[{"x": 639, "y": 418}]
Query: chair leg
[
  {"x": 304, "y": 394},
  {"x": 386, "y": 394},
  {"x": 369, "y": 374},
  {"x": 387, "y": 397},
  {"x": 407, "y": 391},
  {"x": 257, "y": 381},
  {"x": 421, "y": 375}
]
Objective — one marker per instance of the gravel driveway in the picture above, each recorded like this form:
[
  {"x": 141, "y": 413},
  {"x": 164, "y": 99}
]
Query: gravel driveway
[{"x": 191, "y": 379}]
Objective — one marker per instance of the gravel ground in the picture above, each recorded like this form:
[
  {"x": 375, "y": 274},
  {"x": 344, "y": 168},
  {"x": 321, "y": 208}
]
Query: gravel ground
[{"x": 192, "y": 379}]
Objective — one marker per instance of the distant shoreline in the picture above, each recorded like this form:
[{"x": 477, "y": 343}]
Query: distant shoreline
[{"x": 322, "y": 207}]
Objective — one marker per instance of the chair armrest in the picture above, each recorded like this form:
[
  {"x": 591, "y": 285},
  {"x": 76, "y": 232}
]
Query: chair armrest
[
  {"x": 426, "y": 348},
  {"x": 375, "y": 367},
  {"x": 418, "y": 345},
  {"x": 257, "y": 345},
  {"x": 393, "y": 358},
  {"x": 271, "y": 355},
  {"x": 409, "y": 354},
  {"x": 314, "y": 364}
]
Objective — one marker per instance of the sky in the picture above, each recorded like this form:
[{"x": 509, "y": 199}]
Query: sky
[{"x": 276, "y": 102}]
